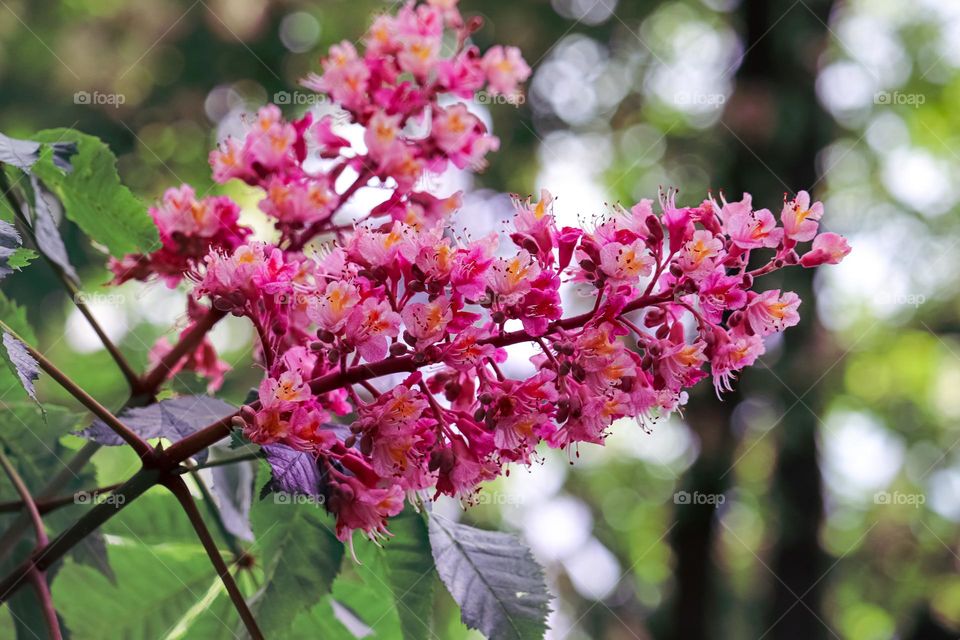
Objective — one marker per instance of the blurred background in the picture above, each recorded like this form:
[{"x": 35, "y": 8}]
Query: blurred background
[{"x": 822, "y": 499}]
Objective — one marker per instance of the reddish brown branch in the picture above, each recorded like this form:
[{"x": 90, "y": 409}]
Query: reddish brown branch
[
  {"x": 179, "y": 489},
  {"x": 188, "y": 342},
  {"x": 37, "y": 577}
]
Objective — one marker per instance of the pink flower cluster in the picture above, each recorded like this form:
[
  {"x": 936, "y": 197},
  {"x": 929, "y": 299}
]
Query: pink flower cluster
[{"x": 671, "y": 292}]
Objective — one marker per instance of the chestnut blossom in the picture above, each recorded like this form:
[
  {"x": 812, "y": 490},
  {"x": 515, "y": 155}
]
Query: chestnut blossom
[{"x": 673, "y": 293}]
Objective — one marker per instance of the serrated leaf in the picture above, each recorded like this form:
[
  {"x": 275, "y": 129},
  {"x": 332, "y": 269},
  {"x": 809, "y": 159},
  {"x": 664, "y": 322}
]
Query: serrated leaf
[
  {"x": 11, "y": 389},
  {"x": 391, "y": 590},
  {"x": 300, "y": 556},
  {"x": 294, "y": 472},
  {"x": 46, "y": 210},
  {"x": 10, "y": 242},
  {"x": 18, "y": 153},
  {"x": 156, "y": 585},
  {"x": 494, "y": 579},
  {"x": 21, "y": 258},
  {"x": 174, "y": 419},
  {"x": 21, "y": 363},
  {"x": 409, "y": 572},
  {"x": 94, "y": 197}
]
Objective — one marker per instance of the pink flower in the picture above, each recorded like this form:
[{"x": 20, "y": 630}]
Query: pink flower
[
  {"x": 732, "y": 353},
  {"x": 828, "y": 248},
  {"x": 368, "y": 327},
  {"x": 770, "y": 312},
  {"x": 344, "y": 77},
  {"x": 461, "y": 136},
  {"x": 625, "y": 263},
  {"x": 382, "y": 137},
  {"x": 298, "y": 202},
  {"x": 509, "y": 276},
  {"x": 753, "y": 230},
  {"x": 331, "y": 308},
  {"x": 681, "y": 363},
  {"x": 359, "y": 506},
  {"x": 700, "y": 255},
  {"x": 505, "y": 69},
  {"x": 718, "y": 293},
  {"x": 800, "y": 218},
  {"x": 418, "y": 54},
  {"x": 427, "y": 322},
  {"x": 284, "y": 391},
  {"x": 467, "y": 352}
]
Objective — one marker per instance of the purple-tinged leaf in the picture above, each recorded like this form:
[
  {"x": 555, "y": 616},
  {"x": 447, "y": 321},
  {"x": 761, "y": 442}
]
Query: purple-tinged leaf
[
  {"x": 233, "y": 486},
  {"x": 21, "y": 363},
  {"x": 46, "y": 212},
  {"x": 293, "y": 471},
  {"x": 10, "y": 241},
  {"x": 23, "y": 154},
  {"x": 172, "y": 419},
  {"x": 493, "y": 577}
]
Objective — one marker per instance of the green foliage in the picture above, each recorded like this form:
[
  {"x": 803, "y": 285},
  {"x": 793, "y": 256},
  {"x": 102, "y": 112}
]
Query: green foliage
[
  {"x": 156, "y": 585},
  {"x": 21, "y": 258},
  {"x": 94, "y": 197},
  {"x": 300, "y": 555},
  {"x": 410, "y": 574}
]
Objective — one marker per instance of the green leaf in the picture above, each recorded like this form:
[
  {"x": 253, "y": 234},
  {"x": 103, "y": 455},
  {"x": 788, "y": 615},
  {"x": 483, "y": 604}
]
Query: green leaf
[
  {"x": 494, "y": 579},
  {"x": 154, "y": 518},
  {"x": 409, "y": 573},
  {"x": 321, "y": 621},
  {"x": 21, "y": 258},
  {"x": 93, "y": 196},
  {"x": 156, "y": 585},
  {"x": 299, "y": 553}
]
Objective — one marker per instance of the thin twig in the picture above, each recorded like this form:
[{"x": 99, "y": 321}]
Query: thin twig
[
  {"x": 182, "y": 493},
  {"x": 37, "y": 577},
  {"x": 46, "y": 505},
  {"x": 144, "y": 450},
  {"x": 27, "y": 499},
  {"x": 188, "y": 342},
  {"x": 255, "y": 455},
  {"x": 17, "y": 528},
  {"x": 214, "y": 513},
  {"x": 15, "y": 203}
]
